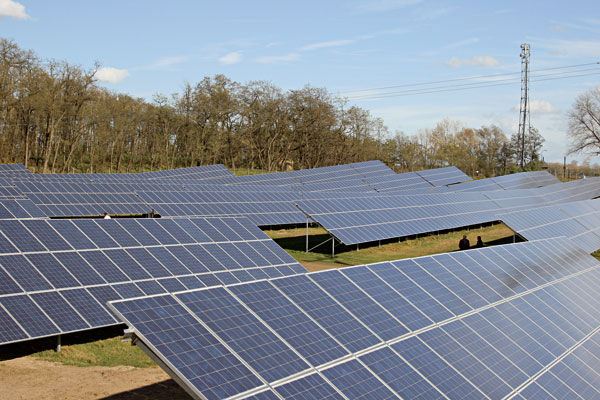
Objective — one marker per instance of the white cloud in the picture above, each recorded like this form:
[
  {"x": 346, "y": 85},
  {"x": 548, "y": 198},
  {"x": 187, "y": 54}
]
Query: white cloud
[
  {"x": 111, "y": 75},
  {"x": 231, "y": 58},
  {"x": 570, "y": 48},
  {"x": 475, "y": 61},
  {"x": 462, "y": 43},
  {"x": 169, "y": 61},
  {"x": 540, "y": 106},
  {"x": 557, "y": 28},
  {"x": 323, "y": 45},
  {"x": 12, "y": 9},
  {"x": 384, "y": 5},
  {"x": 278, "y": 59}
]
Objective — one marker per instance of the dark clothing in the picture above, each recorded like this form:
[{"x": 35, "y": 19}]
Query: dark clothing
[
  {"x": 479, "y": 243},
  {"x": 464, "y": 244}
]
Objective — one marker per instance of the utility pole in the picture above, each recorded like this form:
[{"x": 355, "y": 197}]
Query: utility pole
[{"x": 524, "y": 123}]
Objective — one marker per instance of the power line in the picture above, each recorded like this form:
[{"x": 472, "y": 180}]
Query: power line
[
  {"x": 465, "y": 79},
  {"x": 454, "y": 88}
]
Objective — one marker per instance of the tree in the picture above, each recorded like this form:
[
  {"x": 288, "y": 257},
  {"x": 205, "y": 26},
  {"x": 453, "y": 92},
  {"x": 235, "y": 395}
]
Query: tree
[{"x": 584, "y": 123}]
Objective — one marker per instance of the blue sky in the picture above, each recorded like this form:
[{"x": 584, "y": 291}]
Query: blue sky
[{"x": 149, "y": 47}]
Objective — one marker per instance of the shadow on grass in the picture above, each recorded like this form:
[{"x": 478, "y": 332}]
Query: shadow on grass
[{"x": 165, "y": 390}]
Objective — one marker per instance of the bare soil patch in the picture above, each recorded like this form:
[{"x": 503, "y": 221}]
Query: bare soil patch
[{"x": 29, "y": 378}]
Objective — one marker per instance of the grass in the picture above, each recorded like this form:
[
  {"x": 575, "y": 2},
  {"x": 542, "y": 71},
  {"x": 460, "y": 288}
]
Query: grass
[
  {"x": 294, "y": 242},
  {"x": 107, "y": 353}
]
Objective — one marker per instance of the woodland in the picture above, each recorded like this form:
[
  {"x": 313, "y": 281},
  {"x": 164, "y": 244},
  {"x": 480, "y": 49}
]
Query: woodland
[{"x": 56, "y": 118}]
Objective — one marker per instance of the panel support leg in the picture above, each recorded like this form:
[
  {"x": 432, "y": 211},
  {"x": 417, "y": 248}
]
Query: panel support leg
[
  {"x": 380, "y": 244},
  {"x": 332, "y": 247},
  {"x": 307, "y": 234},
  {"x": 514, "y": 238},
  {"x": 58, "y": 343}
]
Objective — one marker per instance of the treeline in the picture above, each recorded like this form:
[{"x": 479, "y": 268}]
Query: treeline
[{"x": 54, "y": 118}]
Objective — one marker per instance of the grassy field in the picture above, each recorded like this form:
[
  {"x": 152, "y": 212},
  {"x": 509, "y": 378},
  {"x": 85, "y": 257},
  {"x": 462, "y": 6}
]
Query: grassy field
[
  {"x": 107, "y": 353},
  {"x": 294, "y": 242}
]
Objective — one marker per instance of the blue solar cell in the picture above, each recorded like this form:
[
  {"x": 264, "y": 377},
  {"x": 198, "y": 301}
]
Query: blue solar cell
[
  {"x": 295, "y": 327},
  {"x": 157, "y": 231},
  {"x": 127, "y": 290},
  {"x": 72, "y": 234},
  {"x": 29, "y": 316},
  {"x": 95, "y": 233},
  {"x": 150, "y": 264},
  {"x": 359, "y": 304},
  {"x": 209, "y": 280},
  {"x": 150, "y": 287},
  {"x": 236, "y": 254},
  {"x": 413, "y": 293},
  {"x": 436, "y": 370},
  {"x": 20, "y": 236},
  {"x": 327, "y": 312},
  {"x": 79, "y": 268},
  {"x": 246, "y": 335},
  {"x": 21, "y": 270},
  {"x": 309, "y": 387},
  {"x": 387, "y": 297},
  {"x": 7, "y": 284},
  {"x": 218, "y": 253},
  {"x": 127, "y": 264},
  {"x": 175, "y": 230},
  {"x": 9, "y": 330},
  {"x": 202, "y": 255},
  {"x": 464, "y": 362},
  {"x": 208, "y": 365},
  {"x": 357, "y": 382},
  {"x": 191, "y": 282},
  {"x": 45, "y": 234},
  {"x": 398, "y": 375},
  {"x": 102, "y": 264},
  {"x": 224, "y": 229},
  {"x": 137, "y": 231},
  {"x": 117, "y": 233},
  {"x": 88, "y": 307},
  {"x": 187, "y": 259},
  {"x": 209, "y": 230},
  {"x": 192, "y": 229},
  {"x": 171, "y": 285},
  {"x": 484, "y": 351},
  {"x": 173, "y": 265},
  {"x": 52, "y": 270},
  {"x": 5, "y": 246},
  {"x": 104, "y": 294},
  {"x": 60, "y": 311}
]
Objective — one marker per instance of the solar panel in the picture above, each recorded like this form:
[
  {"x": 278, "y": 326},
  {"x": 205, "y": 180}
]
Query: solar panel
[
  {"x": 490, "y": 346},
  {"x": 578, "y": 221},
  {"x": 66, "y": 270}
]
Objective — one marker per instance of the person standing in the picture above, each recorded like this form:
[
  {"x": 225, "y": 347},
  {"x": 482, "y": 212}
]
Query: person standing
[
  {"x": 106, "y": 216},
  {"x": 479, "y": 243},
  {"x": 464, "y": 243}
]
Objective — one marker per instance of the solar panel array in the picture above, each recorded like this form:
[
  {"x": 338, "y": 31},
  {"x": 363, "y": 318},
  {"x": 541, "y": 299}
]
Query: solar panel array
[
  {"x": 521, "y": 180},
  {"x": 19, "y": 208},
  {"x": 579, "y": 221},
  {"x": 64, "y": 199},
  {"x": 56, "y": 276},
  {"x": 485, "y": 323},
  {"x": 360, "y": 220}
]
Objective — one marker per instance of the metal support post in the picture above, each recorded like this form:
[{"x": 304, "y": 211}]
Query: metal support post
[
  {"x": 514, "y": 238},
  {"x": 380, "y": 243},
  {"x": 332, "y": 247},
  {"x": 58, "y": 343},
  {"x": 307, "y": 234}
]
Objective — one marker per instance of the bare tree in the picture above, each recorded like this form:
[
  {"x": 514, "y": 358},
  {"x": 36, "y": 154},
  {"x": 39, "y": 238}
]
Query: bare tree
[{"x": 584, "y": 123}]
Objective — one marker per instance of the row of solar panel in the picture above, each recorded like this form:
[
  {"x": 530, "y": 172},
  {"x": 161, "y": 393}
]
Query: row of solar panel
[
  {"x": 61, "y": 273},
  {"x": 579, "y": 221},
  {"x": 522, "y": 180},
  {"x": 359, "y": 220},
  {"x": 239, "y": 339},
  {"x": 19, "y": 208}
]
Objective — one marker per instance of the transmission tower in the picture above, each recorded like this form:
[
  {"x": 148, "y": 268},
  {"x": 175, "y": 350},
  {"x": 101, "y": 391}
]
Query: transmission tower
[{"x": 524, "y": 122}]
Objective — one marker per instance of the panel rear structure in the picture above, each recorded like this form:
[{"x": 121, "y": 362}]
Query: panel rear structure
[{"x": 497, "y": 322}]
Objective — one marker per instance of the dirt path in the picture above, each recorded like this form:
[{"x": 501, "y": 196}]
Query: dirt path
[
  {"x": 312, "y": 266},
  {"x": 28, "y": 378}
]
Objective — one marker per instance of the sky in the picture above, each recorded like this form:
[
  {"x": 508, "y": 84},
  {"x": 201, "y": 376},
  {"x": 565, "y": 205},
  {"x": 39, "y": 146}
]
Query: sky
[{"x": 149, "y": 47}]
